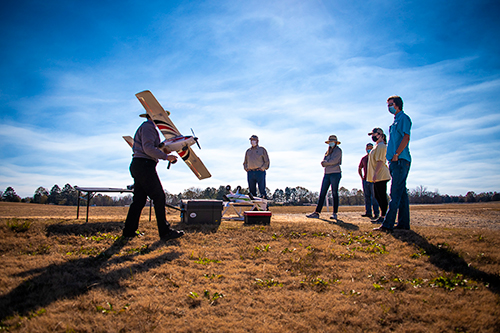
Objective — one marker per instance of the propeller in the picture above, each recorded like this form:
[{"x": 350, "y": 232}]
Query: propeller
[{"x": 195, "y": 138}]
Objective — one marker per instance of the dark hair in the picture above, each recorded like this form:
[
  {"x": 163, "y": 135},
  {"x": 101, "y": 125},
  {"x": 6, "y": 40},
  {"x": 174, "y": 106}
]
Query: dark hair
[{"x": 398, "y": 101}]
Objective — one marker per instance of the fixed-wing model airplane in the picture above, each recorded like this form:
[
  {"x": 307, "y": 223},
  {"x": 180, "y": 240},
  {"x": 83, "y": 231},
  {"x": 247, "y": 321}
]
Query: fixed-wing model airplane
[
  {"x": 241, "y": 202},
  {"x": 174, "y": 140}
]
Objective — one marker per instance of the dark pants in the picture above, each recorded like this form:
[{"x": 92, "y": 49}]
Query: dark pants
[
  {"x": 370, "y": 201},
  {"x": 381, "y": 195},
  {"x": 146, "y": 184},
  {"x": 333, "y": 180},
  {"x": 257, "y": 178},
  {"x": 400, "y": 203}
]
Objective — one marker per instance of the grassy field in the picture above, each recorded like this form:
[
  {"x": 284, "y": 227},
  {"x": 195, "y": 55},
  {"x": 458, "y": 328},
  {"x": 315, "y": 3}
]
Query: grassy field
[{"x": 60, "y": 274}]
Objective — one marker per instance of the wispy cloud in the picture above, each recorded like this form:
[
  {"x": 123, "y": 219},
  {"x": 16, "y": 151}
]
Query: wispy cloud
[{"x": 290, "y": 72}]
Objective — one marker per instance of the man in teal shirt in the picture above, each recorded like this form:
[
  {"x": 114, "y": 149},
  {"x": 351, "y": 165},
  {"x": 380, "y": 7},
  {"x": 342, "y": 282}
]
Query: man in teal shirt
[{"x": 398, "y": 155}]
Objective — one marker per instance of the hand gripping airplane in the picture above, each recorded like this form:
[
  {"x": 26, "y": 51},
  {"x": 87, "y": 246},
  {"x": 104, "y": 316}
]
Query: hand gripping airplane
[{"x": 174, "y": 140}]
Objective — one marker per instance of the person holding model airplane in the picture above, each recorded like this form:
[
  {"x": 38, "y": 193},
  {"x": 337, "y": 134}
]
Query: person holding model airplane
[{"x": 146, "y": 181}]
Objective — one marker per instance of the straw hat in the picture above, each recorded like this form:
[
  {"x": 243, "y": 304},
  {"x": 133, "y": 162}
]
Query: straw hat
[{"x": 332, "y": 138}]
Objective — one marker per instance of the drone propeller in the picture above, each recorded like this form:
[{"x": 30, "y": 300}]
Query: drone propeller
[{"x": 195, "y": 138}]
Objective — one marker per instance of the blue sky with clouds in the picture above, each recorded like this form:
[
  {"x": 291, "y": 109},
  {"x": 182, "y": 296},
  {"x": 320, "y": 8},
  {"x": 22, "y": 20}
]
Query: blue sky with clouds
[{"x": 291, "y": 72}]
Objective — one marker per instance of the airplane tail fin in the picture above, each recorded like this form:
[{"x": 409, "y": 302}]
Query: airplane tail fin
[{"x": 129, "y": 140}]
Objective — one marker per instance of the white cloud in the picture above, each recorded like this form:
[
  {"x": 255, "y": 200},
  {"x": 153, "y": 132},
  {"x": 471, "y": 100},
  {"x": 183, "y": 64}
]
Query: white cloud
[{"x": 291, "y": 73}]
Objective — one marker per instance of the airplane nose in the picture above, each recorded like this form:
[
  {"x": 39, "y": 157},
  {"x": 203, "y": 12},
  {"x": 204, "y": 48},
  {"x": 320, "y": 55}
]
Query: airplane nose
[{"x": 195, "y": 138}]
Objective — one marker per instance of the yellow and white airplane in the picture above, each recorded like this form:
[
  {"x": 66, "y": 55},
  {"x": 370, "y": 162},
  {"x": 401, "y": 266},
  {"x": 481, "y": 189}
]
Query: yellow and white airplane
[{"x": 174, "y": 140}]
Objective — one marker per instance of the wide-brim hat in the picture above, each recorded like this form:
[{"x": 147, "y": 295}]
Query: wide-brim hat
[
  {"x": 377, "y": 130},
  {"x": 333, "y": 138},
  {"x": 145, "y": 115},
  {"x": 254, "y": 137}
]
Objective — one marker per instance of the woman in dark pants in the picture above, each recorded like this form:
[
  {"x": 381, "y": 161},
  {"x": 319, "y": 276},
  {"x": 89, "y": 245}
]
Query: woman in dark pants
[
  {"x": 331, "y": 163},
  {"x": 378, "y": 172}
]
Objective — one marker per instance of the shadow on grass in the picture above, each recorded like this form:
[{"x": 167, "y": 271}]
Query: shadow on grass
[
  {"x": 208, "y": 228},
  {"x": 44, "y": 286},
  {"x": 342, "y": 224},
  {"x": 448, "y": 260},
  {"x": 87, "y": 229}
]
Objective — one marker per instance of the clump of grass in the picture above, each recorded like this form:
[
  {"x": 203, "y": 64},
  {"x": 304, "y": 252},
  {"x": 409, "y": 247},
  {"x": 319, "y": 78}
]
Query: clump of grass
[
  {"x": 18, "y": 226},
  {"x": 40, "y": 249},
  {"x": 100, "y": 237},
  {"x": 287, "y": 250},
  {"x": 268, "y": 283},
  {"x": 316, "y": 282},
  {"x": 144, "y": 249},
  {"x": 212, "y": 298},
  {"x": 419, "y": 254},
  {"x": 351, "y": 292},
  {"x": 203, "y": 260},
  {"x": 206, "y": 261},
  {"x": 451, "y": 283},
  {"x": 276, "y": 236},
  {"x": 110, "y": 310},
  {"x": 263, "y": 248}
]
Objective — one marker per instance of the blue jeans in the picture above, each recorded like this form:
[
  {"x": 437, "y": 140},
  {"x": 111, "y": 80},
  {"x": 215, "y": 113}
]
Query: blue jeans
[
  {"x": 333, "y": 180},
  {"x": 257, "y": 178},
  {"x": 399, "y": 196},
  {"x": 370, "y": 200}
]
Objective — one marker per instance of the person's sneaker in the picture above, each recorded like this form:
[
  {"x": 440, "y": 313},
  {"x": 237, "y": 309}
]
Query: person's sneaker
[
  {"x": 367, "y": 215},
  {"x": 334, "y": 216},
  {"x": 383, "y": 229},
  {"x": 172, "y": 234},
  {"x": 313, "y": 215},
  {"x": 379, "y": 220}
]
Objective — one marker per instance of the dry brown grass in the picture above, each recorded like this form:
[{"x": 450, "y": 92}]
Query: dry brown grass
[{"x": 60, "y": 274}]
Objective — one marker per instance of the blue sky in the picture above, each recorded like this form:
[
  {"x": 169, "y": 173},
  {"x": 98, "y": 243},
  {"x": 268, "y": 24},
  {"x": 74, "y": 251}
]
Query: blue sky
[{"x": 291, "y": 72}]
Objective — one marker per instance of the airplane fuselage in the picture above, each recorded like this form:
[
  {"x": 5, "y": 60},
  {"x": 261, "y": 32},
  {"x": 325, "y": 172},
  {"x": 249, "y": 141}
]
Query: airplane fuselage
[{"x": 178, "y": 143}]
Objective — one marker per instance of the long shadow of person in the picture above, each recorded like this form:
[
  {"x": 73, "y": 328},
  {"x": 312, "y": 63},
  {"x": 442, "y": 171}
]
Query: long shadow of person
[
  {"x": 73, "y": 278},
  {"x": 448, "y": 260},
  {"x": 91, "y": 228},
  {"x": 342, "y": 224}
]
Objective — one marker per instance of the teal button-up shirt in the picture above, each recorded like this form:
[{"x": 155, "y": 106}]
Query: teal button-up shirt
[{"x": 400, "y": 127}]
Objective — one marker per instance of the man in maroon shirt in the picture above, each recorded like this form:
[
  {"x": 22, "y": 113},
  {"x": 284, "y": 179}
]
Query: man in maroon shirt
[{"x": 368, "y": 187}]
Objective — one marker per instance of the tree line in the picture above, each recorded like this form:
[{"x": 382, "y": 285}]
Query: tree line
[{"x": 68, "y": 196}]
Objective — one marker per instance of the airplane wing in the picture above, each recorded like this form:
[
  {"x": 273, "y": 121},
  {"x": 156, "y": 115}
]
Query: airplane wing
[
  {"x": 129, "y": 140},
  {"x": 194, "y": 163},
  {"x": 168, "y": 129},
  {"x": 158, "y": 114}
]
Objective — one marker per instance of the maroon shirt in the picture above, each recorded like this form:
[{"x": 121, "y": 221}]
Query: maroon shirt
[{"x": 364, "y": 164}]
